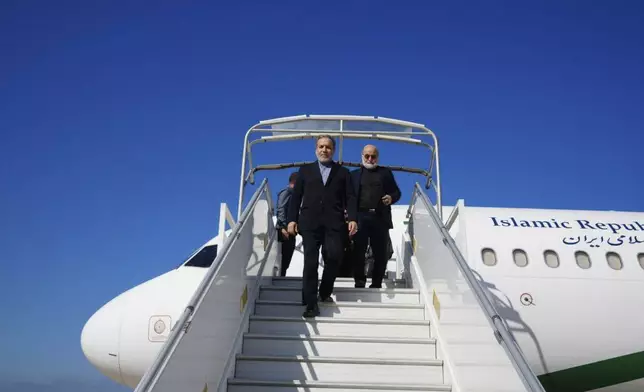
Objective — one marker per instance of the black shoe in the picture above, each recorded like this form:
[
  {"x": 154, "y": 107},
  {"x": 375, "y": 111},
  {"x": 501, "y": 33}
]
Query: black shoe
[
  {"x": 360, "y": 284},
  {"x": 375, "y": 286},
  {"x": 327, "y": 299},
  {"x": 311, "y": 312}
]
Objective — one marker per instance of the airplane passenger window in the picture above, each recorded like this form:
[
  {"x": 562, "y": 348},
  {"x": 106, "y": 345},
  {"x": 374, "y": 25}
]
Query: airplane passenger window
[
  {"x": 551, "y": 258},
  {"x": 640, "y": 258},
  {"x": 489, "y": 257},
  {"x": 203, "y": 258},
  {"x": 614, "y": 261},
  {"x": 520, "y": 257},
  {"x": 583, "y": 260}
]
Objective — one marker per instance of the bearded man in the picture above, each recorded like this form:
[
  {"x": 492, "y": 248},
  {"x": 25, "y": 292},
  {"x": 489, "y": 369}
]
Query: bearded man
[{"x": 376, "y": 190}]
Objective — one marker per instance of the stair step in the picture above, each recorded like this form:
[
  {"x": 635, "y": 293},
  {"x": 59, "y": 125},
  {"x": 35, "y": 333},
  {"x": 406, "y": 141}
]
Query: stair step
[
  {"x": 244, "y": 385},
  {"x": 286, "y": 368},
  {"x": 296, "y": 281},
  {"x": 343, "y": 309},
  {"x": 339, "y": 327},
  {"x": 349, "y": 294},
  {"x": 339, "y": 346}
]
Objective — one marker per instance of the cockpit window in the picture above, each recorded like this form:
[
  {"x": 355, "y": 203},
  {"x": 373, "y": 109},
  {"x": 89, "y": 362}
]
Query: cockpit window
[{"x": 203, "y": 258}]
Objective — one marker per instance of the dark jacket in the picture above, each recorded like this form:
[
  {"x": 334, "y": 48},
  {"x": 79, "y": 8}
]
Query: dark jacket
[
  {"x": 315, "y": 205},
  {"x": 389, "y": 186},
  {"x": 283, "y": 199}
]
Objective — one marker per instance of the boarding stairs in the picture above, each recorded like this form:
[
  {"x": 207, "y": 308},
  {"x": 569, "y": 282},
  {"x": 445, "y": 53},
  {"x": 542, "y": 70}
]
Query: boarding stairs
[
  {"x": 366, "y": 340},
  {"x": 431, "y": 328}
]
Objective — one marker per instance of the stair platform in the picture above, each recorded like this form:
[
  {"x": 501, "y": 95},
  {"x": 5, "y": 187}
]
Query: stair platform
[
  {"x": 244, "y": 385},
  {"x": 339, "y": 326},
  {"x": 339, "y": 369},
  {"x": 339, "y": 346},
  {"x": 345, "y": 294},
  {"x": 294, "y": 281},
  {"x": 343, "y": 309}
]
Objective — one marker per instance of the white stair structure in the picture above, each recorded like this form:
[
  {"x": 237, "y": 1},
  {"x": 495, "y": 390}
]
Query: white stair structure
[
  {"x": 367, "y": 340},
  {"x": 432, "y": 328}
]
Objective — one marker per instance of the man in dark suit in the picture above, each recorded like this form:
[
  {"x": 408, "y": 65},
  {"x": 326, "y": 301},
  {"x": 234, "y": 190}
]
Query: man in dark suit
[
  {"x": 376, "y": 190},
  {"x": 322, "y": 192},
  {"x": 287, "y": 240}
]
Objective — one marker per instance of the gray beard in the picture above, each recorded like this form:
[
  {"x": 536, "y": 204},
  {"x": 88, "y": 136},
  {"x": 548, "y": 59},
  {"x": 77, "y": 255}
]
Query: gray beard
[
  {"x": 370, "y": 166},
  {"x": 323, "y": 160}
]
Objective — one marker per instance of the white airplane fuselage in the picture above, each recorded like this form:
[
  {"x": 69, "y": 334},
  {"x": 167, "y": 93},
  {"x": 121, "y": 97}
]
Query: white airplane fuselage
[
  {"x": 573, "y": 306},
  {"x": 566, "y": 318}
]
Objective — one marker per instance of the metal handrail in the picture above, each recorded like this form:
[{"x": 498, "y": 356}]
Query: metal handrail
[
  {"x": 421, "y": 130},
  {"x": 501, "y": 331},
  {"x": 152, "y": 375},
  {"x": 280, "y": 166}
]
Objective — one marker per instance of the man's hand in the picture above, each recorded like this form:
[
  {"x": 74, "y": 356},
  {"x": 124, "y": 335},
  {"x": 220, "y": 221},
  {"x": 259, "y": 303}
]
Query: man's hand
[
  {"x": 285, "y": 234},
  {"x": 292, "y": 228},
  {"x": 386, "y": 200},
  {"x": 353, "y": 228}
]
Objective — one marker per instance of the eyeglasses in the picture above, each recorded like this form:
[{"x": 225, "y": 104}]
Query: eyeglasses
[{"x": 370, "y": 156}]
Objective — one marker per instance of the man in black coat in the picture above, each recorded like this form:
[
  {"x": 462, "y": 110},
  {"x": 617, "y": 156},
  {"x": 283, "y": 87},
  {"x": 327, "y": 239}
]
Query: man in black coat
[
  {"x": 322, "y": 192},
  {"x": 376, "y": 190}
]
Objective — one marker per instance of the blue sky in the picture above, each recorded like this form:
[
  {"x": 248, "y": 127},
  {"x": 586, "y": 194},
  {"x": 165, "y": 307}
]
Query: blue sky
[{"x": 121, "y": 125}]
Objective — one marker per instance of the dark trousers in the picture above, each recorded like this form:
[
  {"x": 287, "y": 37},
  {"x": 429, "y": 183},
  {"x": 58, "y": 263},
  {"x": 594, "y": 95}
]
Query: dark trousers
[
  {"x": 345, "y": 270},
  {"x": 288, "y": 247},
  {"x": 371, "y": 230},
  {"x": 346, "y": 266},
  {"x": 332, "y": 241}
]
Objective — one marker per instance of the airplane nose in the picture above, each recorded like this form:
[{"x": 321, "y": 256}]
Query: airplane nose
[{"x": 100, "y": 339}]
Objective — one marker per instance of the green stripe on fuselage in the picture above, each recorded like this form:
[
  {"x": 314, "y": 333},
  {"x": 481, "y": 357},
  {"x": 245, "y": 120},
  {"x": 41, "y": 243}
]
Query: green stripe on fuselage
[{"x": 595, "y": 375}]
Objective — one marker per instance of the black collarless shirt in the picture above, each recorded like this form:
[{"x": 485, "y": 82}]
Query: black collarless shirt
[{"x": 371, "y": 189}]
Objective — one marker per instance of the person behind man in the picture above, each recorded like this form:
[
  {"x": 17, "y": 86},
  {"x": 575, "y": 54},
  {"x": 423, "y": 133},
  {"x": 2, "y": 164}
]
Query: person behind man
[
  {"x": 322, "y": 192},
  {"x": 287, "y": 240},
  {"x": 376, "y": 190}
]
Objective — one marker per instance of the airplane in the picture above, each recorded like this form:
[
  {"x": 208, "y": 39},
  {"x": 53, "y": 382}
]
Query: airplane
[{"x": 568, "y": 284}]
